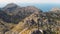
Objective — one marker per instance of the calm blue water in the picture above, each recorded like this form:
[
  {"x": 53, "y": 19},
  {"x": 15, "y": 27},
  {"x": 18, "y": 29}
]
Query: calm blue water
[
  {"x": 43, "y": 7},
  {"x": 47, "y": 7}
]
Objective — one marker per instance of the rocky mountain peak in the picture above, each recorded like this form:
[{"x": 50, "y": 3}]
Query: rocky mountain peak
[{"x": 10, "y": 5}]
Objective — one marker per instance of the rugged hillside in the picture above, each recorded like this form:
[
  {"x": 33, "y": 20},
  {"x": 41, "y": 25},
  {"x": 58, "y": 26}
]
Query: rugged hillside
[
  {"x": 14, "y": 13},
  {"x": 26, "y": 20},
  {"x": 48, "y": 23}
]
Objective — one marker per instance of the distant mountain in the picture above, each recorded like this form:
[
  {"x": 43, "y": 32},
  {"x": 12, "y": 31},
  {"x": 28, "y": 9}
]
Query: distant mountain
[
  {"x": 55, "y": 10},
  {"x": 15, "y": 9},
  {"x": 10, "y": 8}
]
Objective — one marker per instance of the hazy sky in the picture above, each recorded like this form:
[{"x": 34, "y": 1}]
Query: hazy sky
[
  {"x": 42, "y": 4},
  {"x": 29, "y": 1}
]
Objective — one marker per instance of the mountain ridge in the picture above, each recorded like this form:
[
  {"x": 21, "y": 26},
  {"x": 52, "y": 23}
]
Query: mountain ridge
[{"x": 16, "y": 18}]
